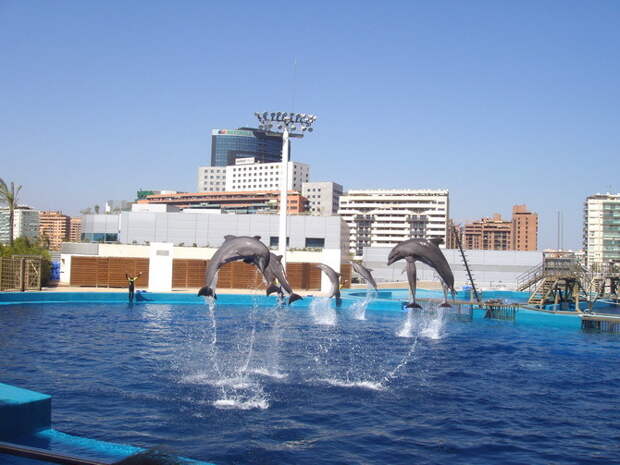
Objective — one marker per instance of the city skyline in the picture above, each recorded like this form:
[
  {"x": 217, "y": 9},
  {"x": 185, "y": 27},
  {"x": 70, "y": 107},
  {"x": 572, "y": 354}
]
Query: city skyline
[{"x": 499, "y": 104}]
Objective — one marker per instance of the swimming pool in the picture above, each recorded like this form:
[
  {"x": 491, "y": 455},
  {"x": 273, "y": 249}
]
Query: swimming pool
[{"x": 313, "y": 384}]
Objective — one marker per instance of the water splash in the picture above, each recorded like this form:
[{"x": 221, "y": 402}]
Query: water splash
[
  {"x": 358, "y": 308},
  {"x": 433, "y": 323},
  {"x": 406, "y": 330},
  {"x": 371, "y": 385},
  {"x": 322, "y": 312}
]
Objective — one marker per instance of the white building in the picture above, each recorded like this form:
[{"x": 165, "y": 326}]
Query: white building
[
  {"x": 25, "y": 223},
  {"x": 323, "y": 197},
  {"x": 248, "y": 175},
  {"x": 211, "y": 178},
  {"x": 601, "y": 230},
  {"x": 385, "y": 217}
]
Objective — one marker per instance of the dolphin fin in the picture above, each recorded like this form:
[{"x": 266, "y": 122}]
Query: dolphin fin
[
  {"x": 445, "y": 305},
  {"x": 279, "y": 257},
  {"x": 273, "y": 288},
  {"x": 293, "y": 297},
  {"x": 228, "y": 237},
  {"x": 207, "y": 292},
  {"x": 413, "y": 305}
]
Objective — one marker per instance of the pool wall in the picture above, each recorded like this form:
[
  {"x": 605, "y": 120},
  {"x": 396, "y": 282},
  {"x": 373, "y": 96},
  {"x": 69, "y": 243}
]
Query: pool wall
[{"x": 26, "y": 419}]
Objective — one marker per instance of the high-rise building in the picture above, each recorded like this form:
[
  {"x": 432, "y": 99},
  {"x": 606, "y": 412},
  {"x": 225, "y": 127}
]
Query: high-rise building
[
  {"x": 229, "y": 144},
  {"x": 454, "y": 233},
  {"x": 495, "y": 233},
  {"x": 323, "y": 197},
  {"x": 385, "y": 217},
  {"x": 25, "y": 224},
  {"x": 75, "y": 229},
  {"x": 601, "y": 230},
  {"x": 53, "y": 228},
  {"x": 247, "y": 174},
  {"x": 524, "y": 228},
  {"x": 488, "y": 234}
]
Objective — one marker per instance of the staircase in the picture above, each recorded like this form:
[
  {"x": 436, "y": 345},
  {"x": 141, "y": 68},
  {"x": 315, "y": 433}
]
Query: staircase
[
  {"x": 530, "y": 278},
  {"x": 540, "y": 296}
]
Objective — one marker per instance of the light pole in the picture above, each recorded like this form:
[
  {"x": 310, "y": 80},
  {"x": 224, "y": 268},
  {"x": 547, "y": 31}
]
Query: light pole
[{"x": 288, "y": 125}]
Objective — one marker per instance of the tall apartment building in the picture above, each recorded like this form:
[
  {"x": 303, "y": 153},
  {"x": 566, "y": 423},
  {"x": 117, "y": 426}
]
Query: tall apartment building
[
  {"x": 247, "y": 174},
  {"x": 75, "y": 229},
  {"x": 25, "y": 224},
  {"x": 227, "y": 145},
  {"x": 524, "y": 228},
  {"x": 495, "y": 233},
  {"x": 601, "y": 230},
  {"x": 54, "y": 228},
  {"x": 323, "y": 197},
  {"x": 385, "y": 217},
  {"x": 488, "y": 234}
]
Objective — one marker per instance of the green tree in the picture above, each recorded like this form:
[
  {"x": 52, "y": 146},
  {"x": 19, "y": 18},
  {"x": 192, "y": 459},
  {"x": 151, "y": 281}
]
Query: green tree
[
  {"x": 97, "y": 208},
  {"x": 9, "y": 196}
]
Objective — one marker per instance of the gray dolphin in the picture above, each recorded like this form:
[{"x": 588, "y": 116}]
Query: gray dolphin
[
  {"x": 365, "y": 273},
  {"x": 428, "y": 252},
  {"x": 335, "y": 280},
  {"x": 248, "y": 249},
  {"x": 275, "y": 271}
]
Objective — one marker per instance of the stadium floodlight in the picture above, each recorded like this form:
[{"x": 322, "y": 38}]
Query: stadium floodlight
[{"x": 289, "y": 125}]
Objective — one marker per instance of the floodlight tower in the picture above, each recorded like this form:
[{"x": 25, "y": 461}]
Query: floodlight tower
[{"x": 287, "y": 125}]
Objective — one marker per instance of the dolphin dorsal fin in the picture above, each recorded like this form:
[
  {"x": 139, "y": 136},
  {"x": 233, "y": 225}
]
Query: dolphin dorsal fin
[
  {"x": 436, "y": 240},
  {"x": 257, "y": 238},
  {"x": 228, "y": 237},
  {"x": 278, "y": 257}
]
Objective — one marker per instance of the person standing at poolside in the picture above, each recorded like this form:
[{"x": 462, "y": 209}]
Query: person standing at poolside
[{"x": 131, "y": 283}]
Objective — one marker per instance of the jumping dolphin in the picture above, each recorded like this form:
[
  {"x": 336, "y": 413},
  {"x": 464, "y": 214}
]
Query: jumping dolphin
[
  {"x": 248, "y": 249},
  {"x": 335, "y": 280},
  {"x": 428, "y": 252},
  {"x": 365, "y": 273},
  {"x": 274, "y": 271}
]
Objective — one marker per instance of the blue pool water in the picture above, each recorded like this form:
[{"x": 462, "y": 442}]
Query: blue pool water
[{"x": 266, "y": 385}]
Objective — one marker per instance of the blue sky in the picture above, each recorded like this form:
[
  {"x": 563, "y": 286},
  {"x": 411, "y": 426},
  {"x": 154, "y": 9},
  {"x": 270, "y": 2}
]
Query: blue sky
[{"x": 501, "y": 103}]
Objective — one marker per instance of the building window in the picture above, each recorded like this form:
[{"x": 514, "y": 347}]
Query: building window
[
  {"x": 315, "y": 242},
  {"x": 275, "y": 241}
]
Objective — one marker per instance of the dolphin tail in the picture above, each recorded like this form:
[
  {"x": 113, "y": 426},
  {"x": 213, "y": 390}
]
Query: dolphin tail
[
  {"x": 293, "y": 297},
  {"x": 445, "y": 305},
  {"x": 207, "y": 292},
  {"x": 413, "y": 305},
  {"x": 338, "y": 301},
  {"x": 273, "y": 288}
]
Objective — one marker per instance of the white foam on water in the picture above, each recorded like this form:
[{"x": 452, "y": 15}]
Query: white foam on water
[
  {"x": 372, "y": 385},
  {"x": 433, "y": 325},
  {"x": 241, "y": 404},
  {"x": 238, "y": 382},
  {"x": 269, "y": 373},
  {"x": 406, "y": 329},
  {"x": 322, "y": 311},
  {"x": 358, "y": 308}
]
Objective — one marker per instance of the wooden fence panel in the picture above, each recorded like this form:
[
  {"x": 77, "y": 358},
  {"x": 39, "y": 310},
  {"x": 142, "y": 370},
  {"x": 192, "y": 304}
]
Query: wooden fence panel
[
  {"x": 84, "y": 271},
  {"x": 188, "y": 273},
  {"x": 108, "y": 271},
  {"x": 345, "y": 275}
]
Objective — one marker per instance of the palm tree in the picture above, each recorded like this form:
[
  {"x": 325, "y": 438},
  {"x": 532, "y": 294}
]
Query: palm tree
[{"x": 9, "y": 196}]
